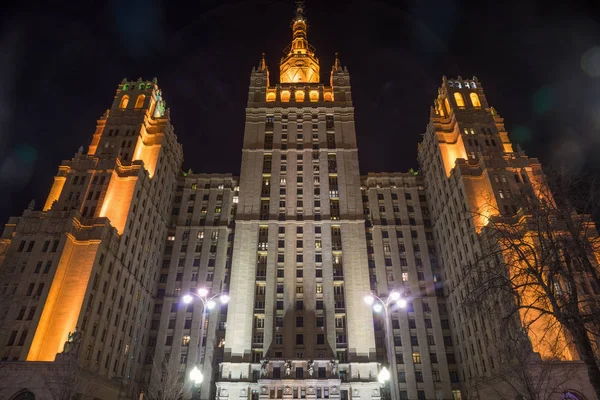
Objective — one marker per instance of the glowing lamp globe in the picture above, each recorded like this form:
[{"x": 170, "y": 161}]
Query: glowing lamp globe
[
  {"x": 211, "y": 304},
  {"x": 196, "y": 376},
  {"x": 187, "y": 299},
  {"x": 202, "y": 292},
  {"x": 401, "y": 303},
  {"x": 377, "y": 307},
  {"x": 394, "y": 296},
  {"x": 369, "y": 299},
  {"x": 224, "y": 299},
  {"x": 384, "y": 375}
]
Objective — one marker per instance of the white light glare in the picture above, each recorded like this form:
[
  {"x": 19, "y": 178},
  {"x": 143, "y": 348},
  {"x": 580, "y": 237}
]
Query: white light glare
[
  {"x": 197, "y": 377},
  {"x": 187, "y": 299},
  {"x": 369, "y": 299},
  {"x": 211, "y": 304},
  {"x": 394, "y": 296},
  {"x": 377, "y": 307},
  {"x": 384, "y": 375},
  {"x": 202, "y": 292},
  {"x": 401, "y": 303}
]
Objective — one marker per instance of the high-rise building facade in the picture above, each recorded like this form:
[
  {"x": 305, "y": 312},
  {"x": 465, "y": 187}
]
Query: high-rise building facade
[
  {"x": 88, "y": 261},
  {"x": 102, "y": 275},
  {"x": 297, "y": 324}
]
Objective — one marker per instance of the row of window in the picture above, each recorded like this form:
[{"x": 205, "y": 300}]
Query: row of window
[
  {"x": 299, "y": 96},
  {"x": 28, "y": 247},
  {"x": 139, "y": 102}
]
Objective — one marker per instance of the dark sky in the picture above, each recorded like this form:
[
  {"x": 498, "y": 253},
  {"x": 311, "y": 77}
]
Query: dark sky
[{"x": 60, "y": 65}]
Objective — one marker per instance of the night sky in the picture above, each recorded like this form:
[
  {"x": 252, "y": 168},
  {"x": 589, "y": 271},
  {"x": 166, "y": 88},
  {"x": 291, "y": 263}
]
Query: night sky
[{"x": 539, "y": 64}]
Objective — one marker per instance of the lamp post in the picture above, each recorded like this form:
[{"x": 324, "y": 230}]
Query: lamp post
[
  {"x": 379, "y": 305},
  {"x": 208, "y": 303}
]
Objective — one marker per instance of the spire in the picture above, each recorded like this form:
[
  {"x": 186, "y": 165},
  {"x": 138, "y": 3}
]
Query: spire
[
  {"x": 300, "y": 63},
  {"x": 336, "y": 64},
  {"x": 262, "y": 66},
  {"x": 299, "y": 11}
]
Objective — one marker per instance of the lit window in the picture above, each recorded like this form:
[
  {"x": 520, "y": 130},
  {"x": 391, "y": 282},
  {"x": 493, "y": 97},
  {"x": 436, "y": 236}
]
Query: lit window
[
  {"x": 299, "y": 95},
  {"x": 271, "y": 96},
  {"x": 475, "y": 100},
  {"x": 139, "y": 103},
  {"x": 171, "y": 238},
  {"x": 314, "y": 96},
  {"x": 124, "y": 102},
  {"x": 460, "y": 101},
  {"x": 416, "y": 358},
  {"x": 285, "y": 96},
  {"x": 186, "y": 340},
  {"x": 405, "y": 277}
]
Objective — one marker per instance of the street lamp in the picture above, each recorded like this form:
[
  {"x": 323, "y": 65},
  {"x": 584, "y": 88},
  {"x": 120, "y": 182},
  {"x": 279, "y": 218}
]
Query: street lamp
[
  {"x": 378, "y": 305},
  {"x": 208, "y": 303}
]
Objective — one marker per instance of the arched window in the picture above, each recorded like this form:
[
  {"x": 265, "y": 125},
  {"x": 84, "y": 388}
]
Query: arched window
[
  {"x": 447, "y": 104},
  {"x": 285, "y": 96},
  {"x": 124, "y": 101},
  {"x": 270, "y": 96},
  {"x": 299, "y": 95},
  {"x": 475, "y": 100},
  {"x": 314, "y": 96},
  {"x": 139, "y": 103},
  {"x": 460, "y": 101},
  {"x": 328, "y": 96}
]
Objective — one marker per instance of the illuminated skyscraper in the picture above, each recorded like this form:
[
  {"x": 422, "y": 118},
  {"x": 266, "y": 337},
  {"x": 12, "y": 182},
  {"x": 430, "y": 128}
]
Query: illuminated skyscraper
[
  {"x": 299, "y": 258},
  {"x": 296, "y": 243},
  {"x": 88, "y": 260}
]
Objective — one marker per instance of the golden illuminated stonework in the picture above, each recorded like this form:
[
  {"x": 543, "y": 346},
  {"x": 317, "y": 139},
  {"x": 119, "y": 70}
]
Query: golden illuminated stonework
[{"x": 300, "y": 63}]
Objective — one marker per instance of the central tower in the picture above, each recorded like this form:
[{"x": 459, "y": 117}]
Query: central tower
[
  {"x": 300, "y": 63},
  {"x": 297, "y": 326}
]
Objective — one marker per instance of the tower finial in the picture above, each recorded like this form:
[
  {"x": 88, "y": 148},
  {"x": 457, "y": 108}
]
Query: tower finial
[
  {"x": 263, "y": 63},
  {"x": 299, "y": 11},
  {"x": 336, "y": 64}
]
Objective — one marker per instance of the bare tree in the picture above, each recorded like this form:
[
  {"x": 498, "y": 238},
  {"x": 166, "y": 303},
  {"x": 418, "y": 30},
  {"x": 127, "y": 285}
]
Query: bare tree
[
  {"x": 538, "y": 272},
  {"x": 66, "y": 380},
  {"x": 522, "y": 374},
  {"x": 165, "y": 383}
]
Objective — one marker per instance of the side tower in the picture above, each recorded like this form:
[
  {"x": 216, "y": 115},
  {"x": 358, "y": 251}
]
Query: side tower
[
  {"x": 87, "y": 262},
  {"x": 473, "y": 175},
  {"x": 297, "y": 324}
]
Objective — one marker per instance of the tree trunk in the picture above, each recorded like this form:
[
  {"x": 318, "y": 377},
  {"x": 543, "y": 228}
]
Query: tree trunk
[{"x": 586, "y": 352}]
